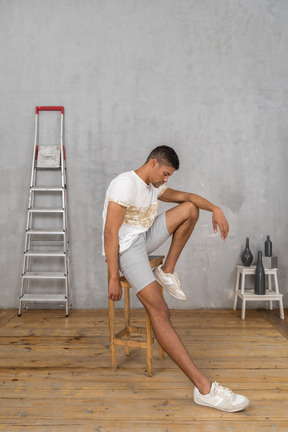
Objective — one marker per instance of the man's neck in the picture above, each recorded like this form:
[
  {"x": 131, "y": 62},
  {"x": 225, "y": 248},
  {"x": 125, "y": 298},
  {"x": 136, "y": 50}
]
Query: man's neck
[{"x": 142, "y": 172}]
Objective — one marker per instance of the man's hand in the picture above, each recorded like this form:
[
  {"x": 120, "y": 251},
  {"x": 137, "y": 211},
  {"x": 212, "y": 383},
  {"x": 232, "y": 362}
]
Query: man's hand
[
  {"x": 114, "y": 290},
  {"x": 219, "y": 219}
]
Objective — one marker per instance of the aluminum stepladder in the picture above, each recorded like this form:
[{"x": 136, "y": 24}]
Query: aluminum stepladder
[{"x": 42, "y": 244}]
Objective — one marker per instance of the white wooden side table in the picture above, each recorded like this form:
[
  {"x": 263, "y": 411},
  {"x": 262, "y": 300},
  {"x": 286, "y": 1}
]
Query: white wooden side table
[{"x": 248, "y": 294}]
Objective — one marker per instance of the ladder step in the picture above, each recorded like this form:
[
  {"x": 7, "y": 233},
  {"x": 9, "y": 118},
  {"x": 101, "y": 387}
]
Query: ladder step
[
  {"x": 56, "y": 168},
  {"x": 45, "y": 210},
  {"x": 47, "y": 231},
  {"x": 46, "y": 243},
  {"x": 44, "y": 275},
  {"x": 44, "y": 253},
  {"x": 47, "y": 189},
  {"x": 43, "y": 297}
]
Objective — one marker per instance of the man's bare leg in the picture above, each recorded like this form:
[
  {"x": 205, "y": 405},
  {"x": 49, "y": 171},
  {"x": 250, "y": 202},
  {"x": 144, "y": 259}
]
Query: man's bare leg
[
  {"x": 157, "y": 309},
  {"x": 180, "y": 222}
]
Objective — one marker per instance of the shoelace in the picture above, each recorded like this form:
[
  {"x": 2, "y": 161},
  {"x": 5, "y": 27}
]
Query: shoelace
[{"x": 224, "y": 390}]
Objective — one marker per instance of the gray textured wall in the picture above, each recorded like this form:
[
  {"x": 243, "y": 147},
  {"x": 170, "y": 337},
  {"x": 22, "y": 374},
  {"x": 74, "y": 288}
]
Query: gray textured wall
[{"x": 208, "y": 77}]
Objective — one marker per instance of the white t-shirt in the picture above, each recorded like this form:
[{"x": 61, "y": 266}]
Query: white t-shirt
[{"x": 141, "y": 202}]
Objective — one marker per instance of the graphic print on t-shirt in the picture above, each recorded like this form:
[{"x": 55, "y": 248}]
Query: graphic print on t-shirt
[{"x": 140, "y": 216}]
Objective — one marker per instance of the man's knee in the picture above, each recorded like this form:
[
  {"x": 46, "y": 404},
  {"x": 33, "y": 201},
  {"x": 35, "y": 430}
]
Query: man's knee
[
  {"x": 192, "y": 211},
  {"x": 154, "y": 302},
  {"x": 160, "y": 312}
]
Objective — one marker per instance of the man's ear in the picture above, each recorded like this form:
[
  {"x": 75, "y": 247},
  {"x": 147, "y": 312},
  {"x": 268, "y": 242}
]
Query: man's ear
[{"x": 153, "y": 163}]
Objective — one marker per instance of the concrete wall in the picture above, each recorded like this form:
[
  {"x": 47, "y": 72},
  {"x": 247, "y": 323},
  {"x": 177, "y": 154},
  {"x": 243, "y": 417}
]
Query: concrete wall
[{"x": 207, "y": 77}]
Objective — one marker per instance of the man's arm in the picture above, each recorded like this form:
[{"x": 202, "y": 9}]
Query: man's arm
[
  {"x": 114, "y": 220},
  {"x": 218, "y": 218}
]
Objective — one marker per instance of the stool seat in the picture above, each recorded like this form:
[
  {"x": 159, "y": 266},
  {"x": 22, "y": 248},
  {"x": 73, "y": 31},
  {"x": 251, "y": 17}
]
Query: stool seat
[
  {"x": 249, "y": 295},
  {"x": 124, "y": 282},
  {"x": 123, "y": 337}
]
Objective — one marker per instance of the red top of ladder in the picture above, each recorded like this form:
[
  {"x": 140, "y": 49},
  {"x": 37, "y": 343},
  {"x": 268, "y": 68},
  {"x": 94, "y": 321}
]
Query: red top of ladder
[{"x": 49, "y": 108}]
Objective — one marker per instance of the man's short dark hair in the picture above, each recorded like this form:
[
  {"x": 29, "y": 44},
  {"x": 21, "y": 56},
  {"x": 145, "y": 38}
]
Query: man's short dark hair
[{"x": 165, "y": 156}]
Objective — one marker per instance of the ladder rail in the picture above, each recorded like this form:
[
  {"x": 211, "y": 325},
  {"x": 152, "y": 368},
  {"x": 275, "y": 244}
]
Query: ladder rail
[
  {"x": 62, "y": 151},
  {"x": 64, "y": 203},
  {"x": 33, "y": 172}
]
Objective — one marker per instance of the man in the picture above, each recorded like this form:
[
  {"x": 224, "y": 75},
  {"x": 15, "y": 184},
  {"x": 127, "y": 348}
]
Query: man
[{"x": 132, "y": 231}]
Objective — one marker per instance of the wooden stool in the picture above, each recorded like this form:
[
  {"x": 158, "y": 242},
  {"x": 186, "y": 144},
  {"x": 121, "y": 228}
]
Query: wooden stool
[
  {"x": 248, "y": 294},
  {"x": 123, "y": 336}
]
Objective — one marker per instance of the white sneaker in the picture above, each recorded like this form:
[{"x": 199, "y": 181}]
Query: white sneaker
[
  {"x": 221, "y": 398},
  {"x": 170, "y": 283}
]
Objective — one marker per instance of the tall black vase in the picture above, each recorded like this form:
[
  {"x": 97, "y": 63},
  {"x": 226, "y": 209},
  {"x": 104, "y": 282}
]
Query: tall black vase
[
  {"x": 259, "y": 281},
  {"x": 247, "y": 256}
]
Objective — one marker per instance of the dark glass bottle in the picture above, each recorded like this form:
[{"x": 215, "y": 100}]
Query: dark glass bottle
[
  {"x": 268, "y": 247},
  {"x": 259, "y": 281},
  {"x": 247, "y": 256}
]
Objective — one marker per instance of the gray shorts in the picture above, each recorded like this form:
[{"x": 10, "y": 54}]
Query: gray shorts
[{"x": 134, "y": 262}]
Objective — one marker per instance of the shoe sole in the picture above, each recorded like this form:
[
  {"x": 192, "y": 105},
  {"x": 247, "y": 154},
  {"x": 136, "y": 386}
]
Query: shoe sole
[
  {"x": 172, "y": 294},
  {"x": 245, "y": 405}
]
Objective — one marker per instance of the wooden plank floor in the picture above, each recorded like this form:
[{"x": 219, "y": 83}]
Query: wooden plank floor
[{"x": 55, "y": 376}]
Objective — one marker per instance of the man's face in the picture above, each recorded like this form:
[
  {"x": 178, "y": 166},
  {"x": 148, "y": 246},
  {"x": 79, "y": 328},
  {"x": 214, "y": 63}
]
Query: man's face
[{"x": 160, "y": 174}]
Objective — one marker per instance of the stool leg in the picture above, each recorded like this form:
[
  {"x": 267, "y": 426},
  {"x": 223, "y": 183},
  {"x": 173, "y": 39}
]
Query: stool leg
[
  {"x": 270, "y": 289},
  {"x": 243, "y": 300},
  {"x": 149, "y": 348},
  {"x": 281, "y": 308},
  {"x": 276, "y": 283},
  {"x": 127, "y": 316},
  {"x": 277, "y": 291},
  {"x": 243, "y": 283},
  {"x": 112, "y": 334},
  {"x": 161, "y": 351},
  {"x": 236, "y": 289},
  {"x": 243, "y": 308}
]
